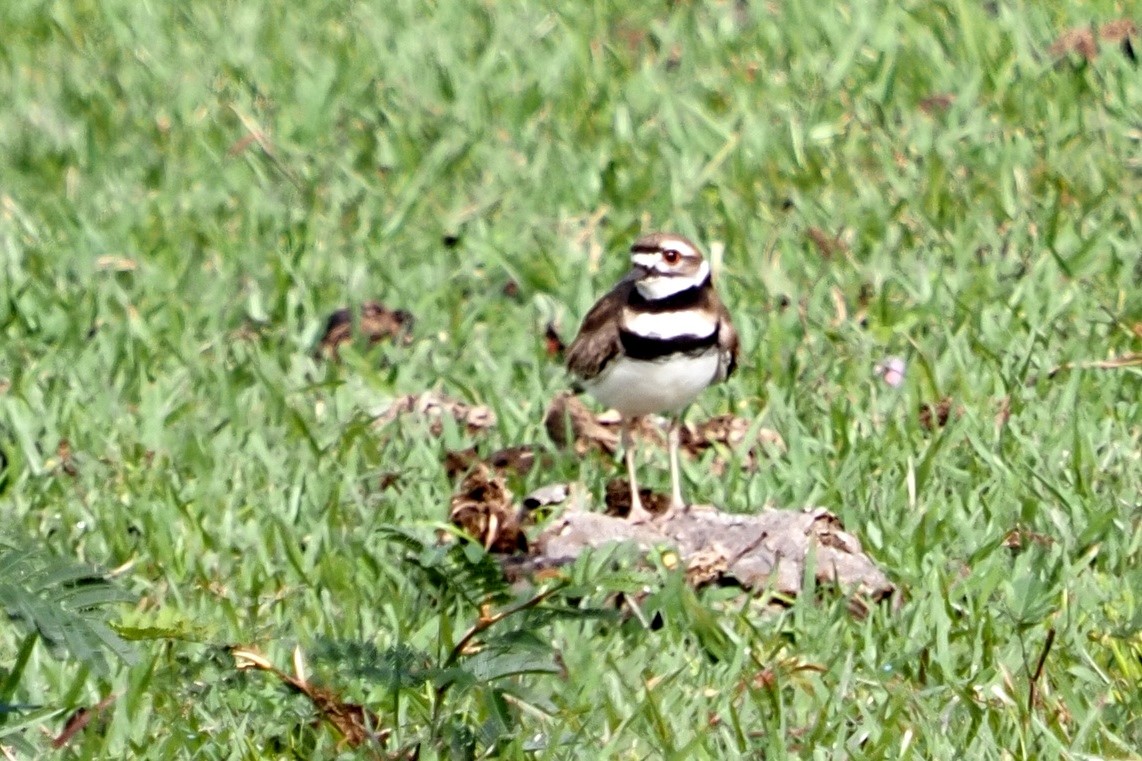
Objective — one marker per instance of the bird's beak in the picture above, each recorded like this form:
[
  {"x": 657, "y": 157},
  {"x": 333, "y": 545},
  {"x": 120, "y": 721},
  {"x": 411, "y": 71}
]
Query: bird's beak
[{"x": 638, "y": 269}]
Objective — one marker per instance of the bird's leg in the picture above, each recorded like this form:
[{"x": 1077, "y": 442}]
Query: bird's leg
[
  {"x": 638, "y": 513},
  {"x": 676, "y": 503}
]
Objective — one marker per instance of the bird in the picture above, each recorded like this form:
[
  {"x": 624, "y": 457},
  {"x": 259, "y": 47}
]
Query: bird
[{"x": 653, "y": 343}]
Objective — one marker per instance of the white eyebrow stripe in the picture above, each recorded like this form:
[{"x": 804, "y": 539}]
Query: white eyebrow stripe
[
  {"x": 697, "y": 323},
  {"x": 651, "y": 260},
  {"x": 678, "y": 245}
]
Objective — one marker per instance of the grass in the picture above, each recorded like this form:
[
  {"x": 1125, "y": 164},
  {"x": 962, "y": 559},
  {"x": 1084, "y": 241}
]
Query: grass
[{"x": 190, "y": 189}]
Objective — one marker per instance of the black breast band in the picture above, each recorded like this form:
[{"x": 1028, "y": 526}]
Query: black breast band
[{"x": 642, "y": 347}]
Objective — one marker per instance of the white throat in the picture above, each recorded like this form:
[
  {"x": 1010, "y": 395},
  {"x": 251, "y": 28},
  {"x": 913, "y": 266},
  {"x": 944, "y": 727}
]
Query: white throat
[{"x": 654, "y": 286}]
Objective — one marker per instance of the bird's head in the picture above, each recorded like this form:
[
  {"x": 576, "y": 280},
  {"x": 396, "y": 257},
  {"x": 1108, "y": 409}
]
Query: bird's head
[{"x": 665, "y": 264}]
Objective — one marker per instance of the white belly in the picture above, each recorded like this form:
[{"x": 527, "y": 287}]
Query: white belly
[{"x": 636, "y": 387}]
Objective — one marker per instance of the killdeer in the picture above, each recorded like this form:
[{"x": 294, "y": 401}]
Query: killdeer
[{"x": 654, "y": 343}]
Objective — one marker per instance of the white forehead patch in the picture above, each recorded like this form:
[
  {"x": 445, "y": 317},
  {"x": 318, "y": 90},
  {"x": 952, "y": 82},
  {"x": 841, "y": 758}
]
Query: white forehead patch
[
  {"x": 657, "y": 287},
  {"x": 646, "y": 259}
]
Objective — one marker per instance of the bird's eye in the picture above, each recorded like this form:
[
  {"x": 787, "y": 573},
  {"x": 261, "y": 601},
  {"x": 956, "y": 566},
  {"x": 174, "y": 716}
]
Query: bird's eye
[{"x": 670, "y": 256}]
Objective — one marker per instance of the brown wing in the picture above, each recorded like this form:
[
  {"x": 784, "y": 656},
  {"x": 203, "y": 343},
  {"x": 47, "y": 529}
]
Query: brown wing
[
  {"x": 727, "y": 342},
  {"x": 598, "y": 340}
]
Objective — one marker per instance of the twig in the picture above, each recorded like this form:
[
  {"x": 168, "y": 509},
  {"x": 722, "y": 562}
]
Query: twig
[
  {"x": 1114, "y": 363},
  {"x": 483, "y": 623},
  {"x": 79, "y": 720},
  {"x": 1032, "y": 688},
  {"x": 486, "y": 622},
  {"x": 255, "y": 133},
  {"x": 354, "y": 722}
]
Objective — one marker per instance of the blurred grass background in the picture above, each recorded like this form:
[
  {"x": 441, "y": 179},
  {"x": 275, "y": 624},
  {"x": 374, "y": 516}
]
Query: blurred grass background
[{"x": 188, "y": 190}]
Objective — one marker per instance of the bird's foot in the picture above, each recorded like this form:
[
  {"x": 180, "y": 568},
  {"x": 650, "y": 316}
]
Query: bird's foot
[
  {"x": 639, "y": 515},
  {"x": 677, "y": 507}
]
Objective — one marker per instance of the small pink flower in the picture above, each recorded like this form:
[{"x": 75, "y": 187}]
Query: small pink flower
[{"x": 891, "y": 371}]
